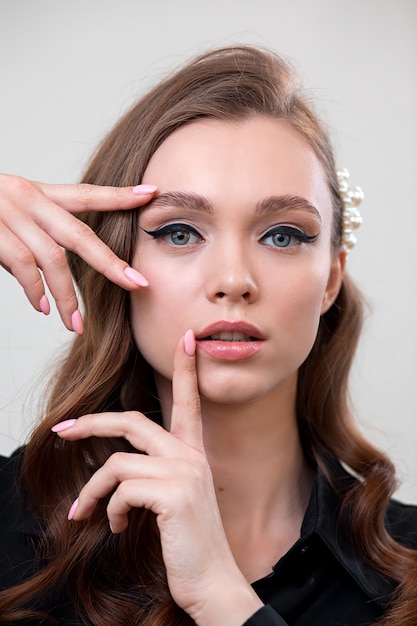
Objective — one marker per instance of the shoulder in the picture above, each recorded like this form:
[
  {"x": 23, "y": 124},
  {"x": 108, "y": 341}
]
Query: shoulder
[
  {"x": 11, "y": 491},
  {"x": 17, "y": 511},
  {"x": 10, "y": 470},
  {"x": 401, "y": 523},
  {"x": 18, "y": 524}
]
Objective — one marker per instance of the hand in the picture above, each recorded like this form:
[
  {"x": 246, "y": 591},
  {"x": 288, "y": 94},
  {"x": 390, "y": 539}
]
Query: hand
[
  {"x": 175, "y": 482},
  {"x": 37, "y": 221}
]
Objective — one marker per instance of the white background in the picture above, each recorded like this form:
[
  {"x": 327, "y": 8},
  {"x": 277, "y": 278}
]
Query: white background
[{"x": 69, "y": 69}]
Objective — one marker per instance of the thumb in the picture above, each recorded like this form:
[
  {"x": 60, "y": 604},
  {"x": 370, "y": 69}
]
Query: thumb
[{"x": 186, "y": 411}]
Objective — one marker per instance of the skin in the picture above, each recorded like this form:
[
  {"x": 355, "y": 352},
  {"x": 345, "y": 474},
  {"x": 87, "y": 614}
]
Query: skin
[
  {"x": 37, "y": 222},
  {"x": 226, "y": 477},
  {"x": 230, "y": 275}
]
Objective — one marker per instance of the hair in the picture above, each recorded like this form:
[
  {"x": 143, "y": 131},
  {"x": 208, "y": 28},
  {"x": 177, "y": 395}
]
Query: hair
[{"x": 84, "y": 559}]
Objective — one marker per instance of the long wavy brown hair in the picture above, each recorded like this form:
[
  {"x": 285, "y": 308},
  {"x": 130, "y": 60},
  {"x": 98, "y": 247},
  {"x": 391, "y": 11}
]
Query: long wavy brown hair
[{"x": 121, "y": 579}]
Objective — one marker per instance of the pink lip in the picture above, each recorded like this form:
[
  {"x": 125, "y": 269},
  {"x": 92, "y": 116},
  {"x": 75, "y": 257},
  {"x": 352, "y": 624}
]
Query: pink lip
[
  {"x": 230, "y": 327},
  {"x": 230, "y": 350}
]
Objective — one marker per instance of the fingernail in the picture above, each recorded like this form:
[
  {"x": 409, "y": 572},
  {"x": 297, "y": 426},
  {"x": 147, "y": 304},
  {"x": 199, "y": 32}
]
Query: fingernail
[
  {"x": 44, "y": 305},
  {"x": 63, "y": 426},
  {"x": 142, "y": 190},
  {"x": 72, "y": 510},
  {"x": 77, "y": 322},
  {"x": 189, "y": 343},
  {"x": 135, "y": 277}
]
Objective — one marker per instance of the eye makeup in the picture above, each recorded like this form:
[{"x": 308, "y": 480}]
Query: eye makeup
[{"x": 180, "y": 234}]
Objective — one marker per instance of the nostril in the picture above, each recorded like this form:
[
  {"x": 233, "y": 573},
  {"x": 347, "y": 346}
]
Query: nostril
[{"x": 245, "y": 295}]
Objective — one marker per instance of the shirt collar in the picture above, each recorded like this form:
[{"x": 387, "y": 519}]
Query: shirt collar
[{"x": 321, "y": 519}]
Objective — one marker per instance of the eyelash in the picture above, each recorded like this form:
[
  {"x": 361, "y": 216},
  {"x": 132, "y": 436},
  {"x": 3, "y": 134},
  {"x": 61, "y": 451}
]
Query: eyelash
[
  {"x": 290, "y": 231},
  {"x": 283, "y": 231},
  {"x": 171, "y": 229}
]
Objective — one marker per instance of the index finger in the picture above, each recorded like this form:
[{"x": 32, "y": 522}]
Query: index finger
[
  {"x": 84, "y": 197},
  {"x": 70, "y": 233},
  {"x": 186, "y": 422}
]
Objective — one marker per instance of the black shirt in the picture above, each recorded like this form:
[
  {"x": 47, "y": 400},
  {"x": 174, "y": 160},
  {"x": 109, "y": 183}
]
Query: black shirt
[{"x": 319, "y": 582}]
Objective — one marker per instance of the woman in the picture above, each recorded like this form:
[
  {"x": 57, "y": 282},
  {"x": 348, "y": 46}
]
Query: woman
[{"x": 236, "y": 340}]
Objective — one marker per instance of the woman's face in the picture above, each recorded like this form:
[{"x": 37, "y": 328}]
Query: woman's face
[{"x": 237, "y": 248}]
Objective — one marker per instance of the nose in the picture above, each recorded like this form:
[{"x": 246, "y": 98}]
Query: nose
[{"x": 230, "y": 277}]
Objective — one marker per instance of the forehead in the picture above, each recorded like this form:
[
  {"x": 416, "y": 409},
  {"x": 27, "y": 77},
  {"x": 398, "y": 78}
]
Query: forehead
[{"x": 241, "y": 161}]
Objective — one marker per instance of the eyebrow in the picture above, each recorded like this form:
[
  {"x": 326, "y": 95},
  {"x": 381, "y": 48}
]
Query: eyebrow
[
  {"x": 181, "y": 199},
  {"x": 197, "y": 203},
  {"x": 274, "y": 204}
]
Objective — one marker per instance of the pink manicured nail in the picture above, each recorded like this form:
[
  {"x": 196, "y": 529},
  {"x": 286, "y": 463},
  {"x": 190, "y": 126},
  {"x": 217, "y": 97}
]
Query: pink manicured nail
[
  {"x": 72, "y": 510},
  {"x": 44, "y": 305},
  {"x": 63, "y": 426},
  {"x": 135, "y": 277},
  {"x": 142, "y": 190},
  {"x": 189, "y": 343},
  {"x": 77, "y": 322}
]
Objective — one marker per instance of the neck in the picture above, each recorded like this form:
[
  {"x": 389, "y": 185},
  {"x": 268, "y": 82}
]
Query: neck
[{"x": 257, "y": 461}]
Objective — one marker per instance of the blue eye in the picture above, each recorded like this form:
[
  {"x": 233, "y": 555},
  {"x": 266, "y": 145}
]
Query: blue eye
[
  {"x": 180, "y": 237},
  {"x": 176, "y": 234},
  {"x": 286, "y": 237}
]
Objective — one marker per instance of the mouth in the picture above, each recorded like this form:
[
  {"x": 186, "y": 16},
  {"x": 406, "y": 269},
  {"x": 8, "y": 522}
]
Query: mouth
[
  {"x": 229, "y": 336},
  {"x": 230, "y": 332},
  {"x": 230, "y": 341}
]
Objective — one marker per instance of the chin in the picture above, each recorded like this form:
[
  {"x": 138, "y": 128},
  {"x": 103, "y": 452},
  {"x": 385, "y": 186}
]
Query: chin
[
  {"x": 247, "y": 385},
  {"x": 232, "y": 392}
]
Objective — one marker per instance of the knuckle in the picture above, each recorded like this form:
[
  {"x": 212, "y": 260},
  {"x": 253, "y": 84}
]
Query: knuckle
[
  {"x": 115, "y": 460},
  {"x": 85, "y": 194},
  {"x": 18, "y": 185},
  {"x": 23, "y": 257},
  {"x": 125, "y": 421},
  {"x": 113, "y": 262},
  {"x": 36, "y": 286},
  {"x": 56, "y": 257},
  {"x": 119, "y": 197},
  {"x": 122, "y": 494},
  {"x": 67, "y": 302},
  {"x": 80, "y": 233},
  {"x": 194, "y": 404}
]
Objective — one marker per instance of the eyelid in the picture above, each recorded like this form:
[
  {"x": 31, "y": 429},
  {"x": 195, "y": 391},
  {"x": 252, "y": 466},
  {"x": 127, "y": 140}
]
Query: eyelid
[
  {"x": 168, "y": 234},
  {"x": 290, "y": 230},
  {"x": 162, "y": 231}
]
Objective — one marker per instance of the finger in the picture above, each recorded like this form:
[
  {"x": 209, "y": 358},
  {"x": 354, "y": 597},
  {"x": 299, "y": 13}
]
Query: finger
[
  {"x": 51, "y": 259},
  {"x": 18, "y": 260},
  {"x": 38, "y": 250},
  {"x": 46, "y": 237},
  {"x": 186, "y": 411},
  {"x": 84, "y": 197},
  {"x": 141, "y": 432},
  {"x": 73, "y": 234},
  {"x": 137, "y": 493},
  {"x": 67, "y": 231},
  {"x": 121, "y": 467}
]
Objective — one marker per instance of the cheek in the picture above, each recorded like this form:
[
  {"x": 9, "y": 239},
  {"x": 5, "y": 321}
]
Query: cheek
[
  {"x": 298, "y": 303},
  {"x": 157, "y": 317},
  {"x": 300, "y": 290},
  {"x": 147, "y": 321}
]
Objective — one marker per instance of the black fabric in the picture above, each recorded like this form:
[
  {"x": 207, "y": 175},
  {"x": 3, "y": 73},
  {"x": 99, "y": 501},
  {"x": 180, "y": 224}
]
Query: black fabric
[{"x": 319, "y": 582}]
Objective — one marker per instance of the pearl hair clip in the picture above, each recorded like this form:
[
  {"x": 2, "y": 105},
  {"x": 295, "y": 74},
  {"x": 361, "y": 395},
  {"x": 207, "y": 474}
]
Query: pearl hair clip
[{"x": 351, "y": 217}]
